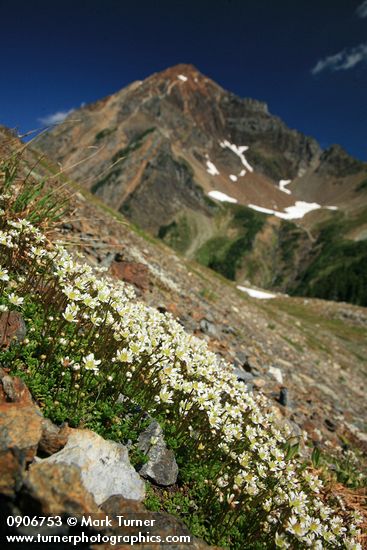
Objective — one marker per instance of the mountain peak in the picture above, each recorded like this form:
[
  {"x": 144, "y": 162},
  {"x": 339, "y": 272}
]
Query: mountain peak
[
  {"x": 183, "y": 73},
  {"x": 184, "y": 69}
]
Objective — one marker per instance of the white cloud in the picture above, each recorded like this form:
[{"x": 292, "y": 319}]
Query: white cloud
[
  {"x": 55, "y": 118},
  {"x": 361, "y": 11},
  {"x": 342, "y": 61}
]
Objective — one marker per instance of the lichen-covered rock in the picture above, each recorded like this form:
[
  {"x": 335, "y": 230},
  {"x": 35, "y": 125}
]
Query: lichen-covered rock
[{"x": 105, "y": 466}]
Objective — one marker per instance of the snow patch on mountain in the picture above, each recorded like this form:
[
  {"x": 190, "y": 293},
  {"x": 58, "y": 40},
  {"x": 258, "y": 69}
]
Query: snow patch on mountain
[
  {"x": 282, "y": 186},
  {"x": 211, "y": 168},
  {"x": 260, "y": 294},
  {"x": 233, "y": 177},
  {"x": 182, "y": 77},
  {"x": 219, "y": 196},
  {"x": 297, "y": 211},
  {"x": 237, "y": 150}
]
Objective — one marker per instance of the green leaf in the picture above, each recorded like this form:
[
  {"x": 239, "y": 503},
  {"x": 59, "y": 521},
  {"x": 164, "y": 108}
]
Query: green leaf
[
  {"x": 292, "y": 451},
  {"x": 316, "y": 457}
]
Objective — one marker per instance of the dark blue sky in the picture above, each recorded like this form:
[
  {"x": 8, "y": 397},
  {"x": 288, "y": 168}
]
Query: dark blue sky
[{"x": 57, "y": 54}]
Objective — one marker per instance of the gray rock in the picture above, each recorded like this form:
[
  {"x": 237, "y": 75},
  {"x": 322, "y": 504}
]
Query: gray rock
[
  {"x": 107, "y": 260},
  {"x": 228, "y": 329},
  {"x": 105, "y": 466},
  {"x": 247, "y": 363},
  {"x": 243, "y": 375},
  {"x": 241, "y": 357},
  {"x": 283, "y": 397},
  {"x": 207, "y": 327},
  {"x": 161, "y": 467}
]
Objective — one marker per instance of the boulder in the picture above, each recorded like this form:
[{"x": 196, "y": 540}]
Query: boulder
[
  {"x": 20, "y": 433},
  {"x": 162, "y": 525},
  {"x": 161, "y": 467},
  {"x": 131, "y": 272},
  {"x": 209, "y": 328},
  {"x": 56, "y": 489},
  {"x": 105, "y": 466}
]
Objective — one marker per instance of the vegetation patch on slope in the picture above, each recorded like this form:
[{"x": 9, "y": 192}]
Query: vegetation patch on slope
[
  {"x": 225, "y": 253},
  {"x": 339, "y": 270},
  {"x": 177, "y": 234},
  {"x": 119, "y": 157}
]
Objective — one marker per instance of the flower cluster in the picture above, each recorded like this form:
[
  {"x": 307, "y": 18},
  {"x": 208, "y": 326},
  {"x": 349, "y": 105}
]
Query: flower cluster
[{"x": 120, "y": 346}]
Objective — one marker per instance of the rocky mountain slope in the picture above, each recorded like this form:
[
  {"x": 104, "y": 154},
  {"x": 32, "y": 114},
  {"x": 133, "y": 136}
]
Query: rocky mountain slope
[
  {"x": 307, "y": 356},
  {"x": 273, "y": 340},
  {"x": 223, "y": 181}
]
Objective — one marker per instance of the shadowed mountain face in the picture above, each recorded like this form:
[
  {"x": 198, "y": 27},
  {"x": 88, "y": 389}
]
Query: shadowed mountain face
[{"x": 218, "y": 178}]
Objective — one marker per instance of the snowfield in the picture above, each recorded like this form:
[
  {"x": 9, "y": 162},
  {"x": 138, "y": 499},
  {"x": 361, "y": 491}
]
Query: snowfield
[
  {"x": 260, "y": 294},
  {"x": 297, "y": 211},
  {"x": 211, "y": 168},
  {"x": 219, "y": 196},
  {"x": 282, "y": 186},
  {"x": 238, "y": 150}
]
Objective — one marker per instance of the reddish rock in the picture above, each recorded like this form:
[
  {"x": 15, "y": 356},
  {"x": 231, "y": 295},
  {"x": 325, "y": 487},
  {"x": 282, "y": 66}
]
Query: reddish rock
[
  {"x": 12, "y": 328},
  {"x": 13, "y": 389},
  {"x": 313, "y": 430},
  {"x": 164, "y": 525},
  {"x": 20, "y": 433},
  {"x": 53, "y": 437},
  {"x": 131, "y": 272},
  {"x": 56, "y": 489},
  {"x": 169, "y": 308},
  {"x": 197, "y": 314}
]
